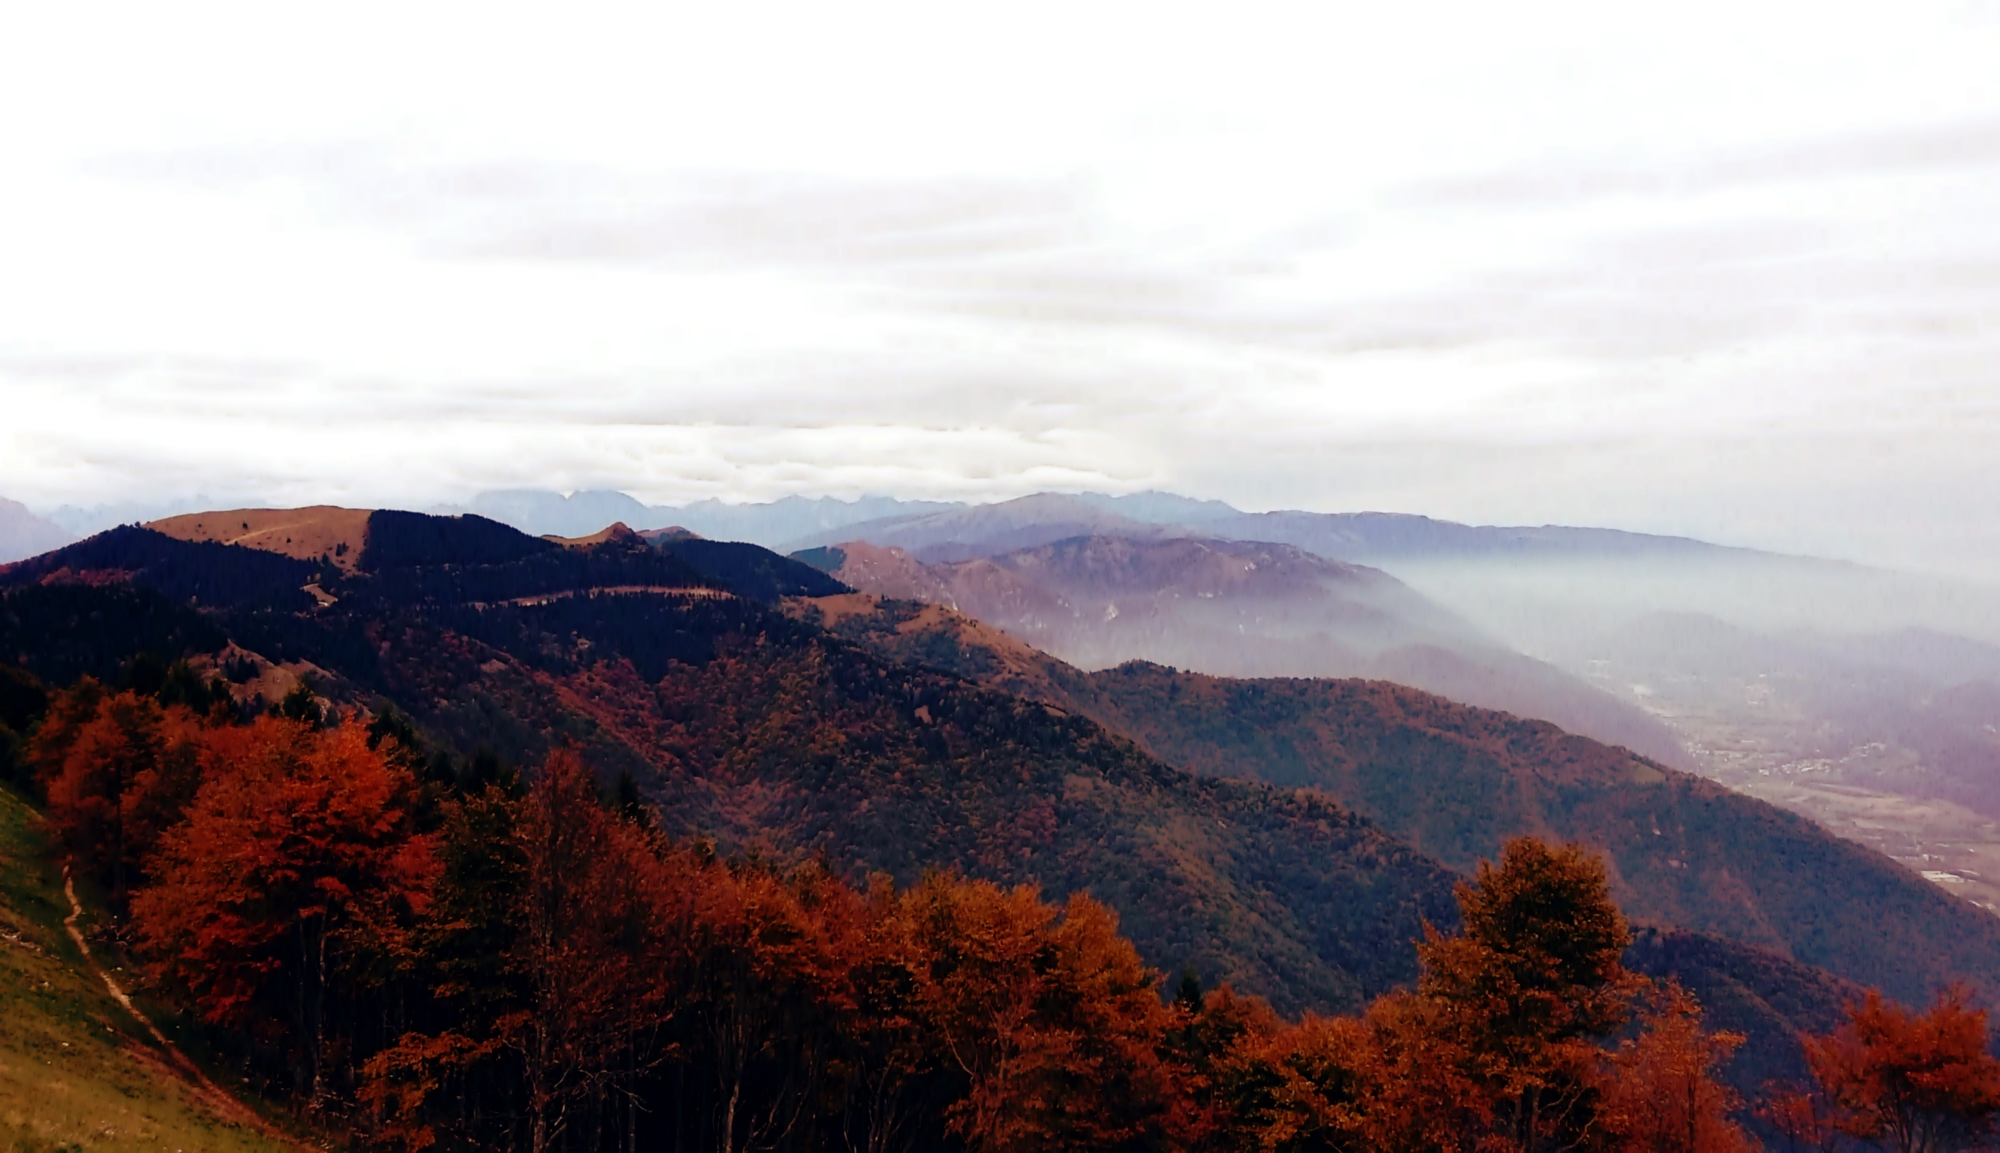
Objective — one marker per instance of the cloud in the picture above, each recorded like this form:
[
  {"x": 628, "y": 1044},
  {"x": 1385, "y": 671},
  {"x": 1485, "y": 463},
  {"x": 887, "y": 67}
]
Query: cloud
[
  {"x": 1532, "y": 264},
  {"x": 1923, "y": 148}
]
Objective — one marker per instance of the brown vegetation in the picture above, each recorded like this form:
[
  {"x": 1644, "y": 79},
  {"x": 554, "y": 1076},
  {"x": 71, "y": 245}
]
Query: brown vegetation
[{"x": 321, "y": 531}]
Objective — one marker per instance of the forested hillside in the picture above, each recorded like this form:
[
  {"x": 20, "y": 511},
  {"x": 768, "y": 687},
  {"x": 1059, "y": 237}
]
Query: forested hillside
[
  {"x": 1456, "y": 782},
  {"x": 504, "y": 842},
  {"x": 760, "y": 732}
]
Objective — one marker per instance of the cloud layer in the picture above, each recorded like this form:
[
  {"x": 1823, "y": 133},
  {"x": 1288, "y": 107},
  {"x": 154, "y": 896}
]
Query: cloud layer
[{"x": 1734, "y": 276}]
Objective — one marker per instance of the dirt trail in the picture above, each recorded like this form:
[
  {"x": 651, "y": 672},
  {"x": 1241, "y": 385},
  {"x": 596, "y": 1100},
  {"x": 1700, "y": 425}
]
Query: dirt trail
[{"x": 214, "y": 1096}]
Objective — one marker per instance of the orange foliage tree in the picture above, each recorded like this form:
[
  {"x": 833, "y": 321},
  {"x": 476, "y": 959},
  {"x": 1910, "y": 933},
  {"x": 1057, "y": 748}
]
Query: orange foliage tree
[
  {"x": 117, "y": 769},
  {"x": 1530, "y": 986},
  {"x": 767, "y": 994},
  {"x": 549, "y": 945},
  {"x": 1050, "y": 1017},
  {"x": 295, "y": 867},
  {"x": 550, "y": 973},
  {"x": 1913, "y": 1082},
  {"x": 595, "y": 928},
  {"x": 1663, "y": 1096},
  {"x": 1501, "y": 1046}
]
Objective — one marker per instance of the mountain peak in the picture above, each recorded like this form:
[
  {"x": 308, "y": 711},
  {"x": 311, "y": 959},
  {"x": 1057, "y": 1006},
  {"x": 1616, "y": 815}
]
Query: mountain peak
[
  {"x": 318, "y": 531},
  {"x": 617, "y": 530}
]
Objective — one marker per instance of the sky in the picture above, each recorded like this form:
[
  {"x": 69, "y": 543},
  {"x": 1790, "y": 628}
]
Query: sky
[{"x": 1724, "y": 270}]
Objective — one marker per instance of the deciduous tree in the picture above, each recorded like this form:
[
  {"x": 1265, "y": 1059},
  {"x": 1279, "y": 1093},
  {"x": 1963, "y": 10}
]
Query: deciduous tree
[
  {"x": 1663, "y": 1096},
  {"x": 1912, "y": 1082},
  {"x": 1531, "y": 984},
  {"x": 295, "y": 867}
]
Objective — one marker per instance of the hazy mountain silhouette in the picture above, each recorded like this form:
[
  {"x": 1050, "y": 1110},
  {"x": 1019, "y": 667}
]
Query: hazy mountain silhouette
[
  {"x": 23, "y": 534},
  {"x": 542, "y": 513},
  {"x": 1233, "y": 608}
]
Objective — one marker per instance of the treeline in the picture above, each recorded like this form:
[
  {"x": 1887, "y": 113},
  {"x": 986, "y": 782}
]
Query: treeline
[{"x": 432, "y": 955}]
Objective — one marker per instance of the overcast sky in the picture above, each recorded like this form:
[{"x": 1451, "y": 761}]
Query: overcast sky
[{"x": 1726, "y": 270}]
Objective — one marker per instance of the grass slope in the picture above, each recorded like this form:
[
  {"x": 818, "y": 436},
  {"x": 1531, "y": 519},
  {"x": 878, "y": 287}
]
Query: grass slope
[{"x": 76, "y": 1072}]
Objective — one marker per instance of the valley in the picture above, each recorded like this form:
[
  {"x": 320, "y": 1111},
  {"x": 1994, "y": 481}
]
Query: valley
[{"x": 1759, "y": 735}]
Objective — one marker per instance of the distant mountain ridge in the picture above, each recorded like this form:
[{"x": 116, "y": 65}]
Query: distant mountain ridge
[
  {"x": 542, "y": 513},
  {"x": 1234, "y": 608},
  {"x": 794, "y": 523},
  {"x": 23, "y": 534}
]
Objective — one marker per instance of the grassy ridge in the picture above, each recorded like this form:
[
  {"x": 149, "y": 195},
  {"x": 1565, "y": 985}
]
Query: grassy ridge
[{"x": 76, "y": 1072}]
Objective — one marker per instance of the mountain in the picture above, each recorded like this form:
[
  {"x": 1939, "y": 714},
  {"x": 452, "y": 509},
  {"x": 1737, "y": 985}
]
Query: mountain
[
  {"x": 1374, "y": 536},
  {"x": 1155, "y": 507},
  {"x": 23, "y": 534},
  {"x": 905, "y": 737},
  {"x": 337, "y": 534},
  {"x": 1767, "y": 998},
  {"x": 542, "y": 513},
  {"x": 1243, "y": 609},
  {"x": 759, "y": 731},
  {"x": 746, "y": 569},
  {"x": 85, "y": 520},
  {"x": 990, "y": 529},
  {"x": 1455, "y": 782},
  {"x": 1368, "y": 537},
  {"x": 775, "y": 523}
]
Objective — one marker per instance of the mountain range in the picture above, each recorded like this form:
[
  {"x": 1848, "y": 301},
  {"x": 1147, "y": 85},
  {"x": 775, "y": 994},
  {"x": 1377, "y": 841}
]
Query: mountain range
[
  {"x": 1234, "y": 608},
  {"x": 1576, "y": 600},
  {"x": 1290, "y": 835}
]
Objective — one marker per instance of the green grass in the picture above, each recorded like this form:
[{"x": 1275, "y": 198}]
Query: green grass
[{"x": 76, "y": 1072}]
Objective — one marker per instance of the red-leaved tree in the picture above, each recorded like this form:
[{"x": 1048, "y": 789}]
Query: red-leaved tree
[{"x": 296, "y": 866}]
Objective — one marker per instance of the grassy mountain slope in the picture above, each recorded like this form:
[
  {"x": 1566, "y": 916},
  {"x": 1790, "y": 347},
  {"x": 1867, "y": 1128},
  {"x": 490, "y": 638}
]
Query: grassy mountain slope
[{"x": 76, "y": 1073}]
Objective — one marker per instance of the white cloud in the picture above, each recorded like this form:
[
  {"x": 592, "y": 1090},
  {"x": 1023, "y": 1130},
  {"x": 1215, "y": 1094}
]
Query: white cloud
[{"x": 1719, "y": 269}]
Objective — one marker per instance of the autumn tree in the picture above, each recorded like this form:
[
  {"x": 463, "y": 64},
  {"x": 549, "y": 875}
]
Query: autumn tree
[
  {"x": 1528, "y": 988},
  {"x": 294, "y": 869},
  {"x": 117, "y": 770},
  {"x": 1212, "y": 1042},
  {"x": 1911, "y": 1082},
  {"x": 767, "y": 993},
  {"x": 551, "y": 945},
  {"x": 460, "y": 946},
  {"x": 594, "y": 925},
  {"x": 1663, "y": 1096},
  {"x": 1314, "y": 1086},
  {"x": 1049, "y": 1016}
]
